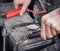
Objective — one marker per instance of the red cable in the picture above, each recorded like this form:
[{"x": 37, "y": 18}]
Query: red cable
[
  {"x": 14, "y": 12},
  {"x": 35, "y": 12}
]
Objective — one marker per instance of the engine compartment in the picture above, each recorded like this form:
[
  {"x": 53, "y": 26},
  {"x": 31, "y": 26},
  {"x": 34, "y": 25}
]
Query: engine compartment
[{"x": 11, "y": 39}]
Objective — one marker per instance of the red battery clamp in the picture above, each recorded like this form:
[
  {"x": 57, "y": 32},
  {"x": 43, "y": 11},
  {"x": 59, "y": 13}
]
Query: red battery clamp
[{"x": 14, "y": 12}]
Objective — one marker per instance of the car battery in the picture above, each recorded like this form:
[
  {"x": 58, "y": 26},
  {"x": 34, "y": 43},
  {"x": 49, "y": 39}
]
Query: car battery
[{"x": 20, "y": 40}]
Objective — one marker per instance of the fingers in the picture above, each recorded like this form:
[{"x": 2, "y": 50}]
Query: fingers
[
  {"x": 16, "y": 6},
  {"x": 25, "y": 5},
  {"x": 57, "y": 28},
  {"x": 48, "y": 31},
  {"x": 23, "y": 9},
  {"x": 43, "y": 29},
  {"x": 53, "y": 31},
  {"x": 17, "y": 3}
]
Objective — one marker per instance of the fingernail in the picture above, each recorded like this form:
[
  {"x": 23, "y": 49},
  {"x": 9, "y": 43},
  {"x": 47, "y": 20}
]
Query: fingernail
[
  {"x": 44, "y": 38},
  {"x": 21, "y": 14}
]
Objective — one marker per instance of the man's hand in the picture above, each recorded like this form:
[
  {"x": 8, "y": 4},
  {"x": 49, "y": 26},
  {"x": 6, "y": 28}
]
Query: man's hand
[
  {"x": 50, "y": 24},
  {"x": 24, "y": 3}
]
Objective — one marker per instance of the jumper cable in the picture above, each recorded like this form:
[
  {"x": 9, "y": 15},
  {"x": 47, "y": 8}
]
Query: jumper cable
[{"x": 14, "y": 12}]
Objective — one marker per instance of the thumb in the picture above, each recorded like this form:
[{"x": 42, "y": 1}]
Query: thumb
[{"x": 24, "y": 7}]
